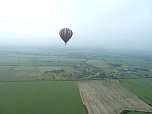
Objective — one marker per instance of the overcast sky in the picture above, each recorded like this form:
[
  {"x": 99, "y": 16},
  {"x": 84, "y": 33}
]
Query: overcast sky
[{"x": 124, "y": 24}]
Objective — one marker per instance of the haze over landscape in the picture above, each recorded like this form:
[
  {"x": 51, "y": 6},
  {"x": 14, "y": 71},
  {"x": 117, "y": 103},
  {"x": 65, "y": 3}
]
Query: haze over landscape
[
  {"x": 105, "y": 68},
  {"x": 116, "y": 24}
]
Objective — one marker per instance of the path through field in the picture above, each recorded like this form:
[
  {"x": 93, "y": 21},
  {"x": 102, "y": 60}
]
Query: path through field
[{"x": 101, "y": 97}]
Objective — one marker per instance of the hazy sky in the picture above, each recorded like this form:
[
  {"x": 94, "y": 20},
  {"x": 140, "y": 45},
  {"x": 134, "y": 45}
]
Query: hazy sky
[{"x": 124, "y": 24}]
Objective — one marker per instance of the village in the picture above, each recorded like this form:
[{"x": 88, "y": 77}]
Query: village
[
  {"x": 89, "y": 71},
  {"x": 127, "y": 71}
]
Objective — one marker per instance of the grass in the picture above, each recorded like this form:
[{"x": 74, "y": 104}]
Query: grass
[
  {"x": 128, "y": 61},
  {"x": 140, "y": 87},
  {"x": 28, "y": 68},
  {"x": 102, "y": 64},
  {"x": 24, "y": 74},
  {"x": 45, "y": 97}
]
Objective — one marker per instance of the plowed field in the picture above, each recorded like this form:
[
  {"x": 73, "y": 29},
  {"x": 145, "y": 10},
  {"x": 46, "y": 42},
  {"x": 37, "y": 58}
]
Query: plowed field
[{"x": 101, "y": 97}]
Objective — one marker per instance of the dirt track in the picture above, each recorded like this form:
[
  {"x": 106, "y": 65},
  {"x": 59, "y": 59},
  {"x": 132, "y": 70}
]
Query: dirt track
[{"x": 101, "y": 97}]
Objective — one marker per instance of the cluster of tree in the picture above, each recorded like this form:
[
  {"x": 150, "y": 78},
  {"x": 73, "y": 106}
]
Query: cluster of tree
[
  {"x": 116, "y": 65},
  {"x": 55, "y": 71}
]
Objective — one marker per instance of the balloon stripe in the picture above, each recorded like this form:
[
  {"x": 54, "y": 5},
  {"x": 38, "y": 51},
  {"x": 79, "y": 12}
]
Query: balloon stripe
[
  {"x": 66, "y": 34},
  {"x": 69, "y": 34},
  {"x": 61, "y": 33}
]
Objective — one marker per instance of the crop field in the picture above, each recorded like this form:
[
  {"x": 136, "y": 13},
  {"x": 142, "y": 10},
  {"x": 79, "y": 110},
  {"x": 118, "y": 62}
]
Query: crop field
[
  {"x": 66, "y": 66},
  {"x": 32, "y": 67},
  {"x": 140, "y": 87},
  {"x": 45, "y": 97},
  {"x": 109, "y": 97},
  {"x": 123, "y": 67},
  {"x": 102, "y": 64},
  {"x": 36, "y": 83}
]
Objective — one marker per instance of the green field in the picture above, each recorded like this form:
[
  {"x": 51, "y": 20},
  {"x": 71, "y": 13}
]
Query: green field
[
  {"x": 32, "y": 67},
  {"x": 140, "y": 87},
  {"x": 45, "y": 97},
  {"x": 21, "y": 66},
  {"x": 29, "y": 81}
]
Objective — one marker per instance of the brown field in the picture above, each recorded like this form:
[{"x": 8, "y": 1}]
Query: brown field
[{"x": 102, "y": 97}]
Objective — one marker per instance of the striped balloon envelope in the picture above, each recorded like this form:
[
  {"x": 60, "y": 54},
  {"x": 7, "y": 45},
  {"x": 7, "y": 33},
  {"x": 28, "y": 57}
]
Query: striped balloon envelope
[{"x": 65, "y": 34}]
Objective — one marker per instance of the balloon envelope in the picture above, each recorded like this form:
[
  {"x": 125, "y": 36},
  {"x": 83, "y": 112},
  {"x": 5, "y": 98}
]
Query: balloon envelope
[{"x": 65, "y": 34}]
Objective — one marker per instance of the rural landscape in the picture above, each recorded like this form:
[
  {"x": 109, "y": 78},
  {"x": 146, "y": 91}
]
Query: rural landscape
[
  {"x": 75, "y": 56},
  {"x": 52, "y": 81}
]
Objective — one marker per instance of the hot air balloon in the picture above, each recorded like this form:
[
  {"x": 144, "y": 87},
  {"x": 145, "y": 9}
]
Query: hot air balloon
[{"x": 65, "y": 34}]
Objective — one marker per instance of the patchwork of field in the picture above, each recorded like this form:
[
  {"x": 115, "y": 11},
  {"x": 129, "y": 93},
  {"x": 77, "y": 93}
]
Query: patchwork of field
[
  {"x": 109, "y": 97},
  {"x": 29, "y": 83},
  {"x": 140, "y": 87},
  {"x": 32, "y": 67},
  {"x": 123, "y": 66},
  {"x": 45, "y": 97}
]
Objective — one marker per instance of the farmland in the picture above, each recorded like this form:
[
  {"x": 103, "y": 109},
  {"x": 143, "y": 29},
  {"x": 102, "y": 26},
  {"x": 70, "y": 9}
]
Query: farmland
[
  {"x": 109, "y": 97},
  {"x": 27, "y": 66},
  {"x": 140, "y": 87},
  {"x": 44, "y": 82},
  {"x": 47, "y": 97}
]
